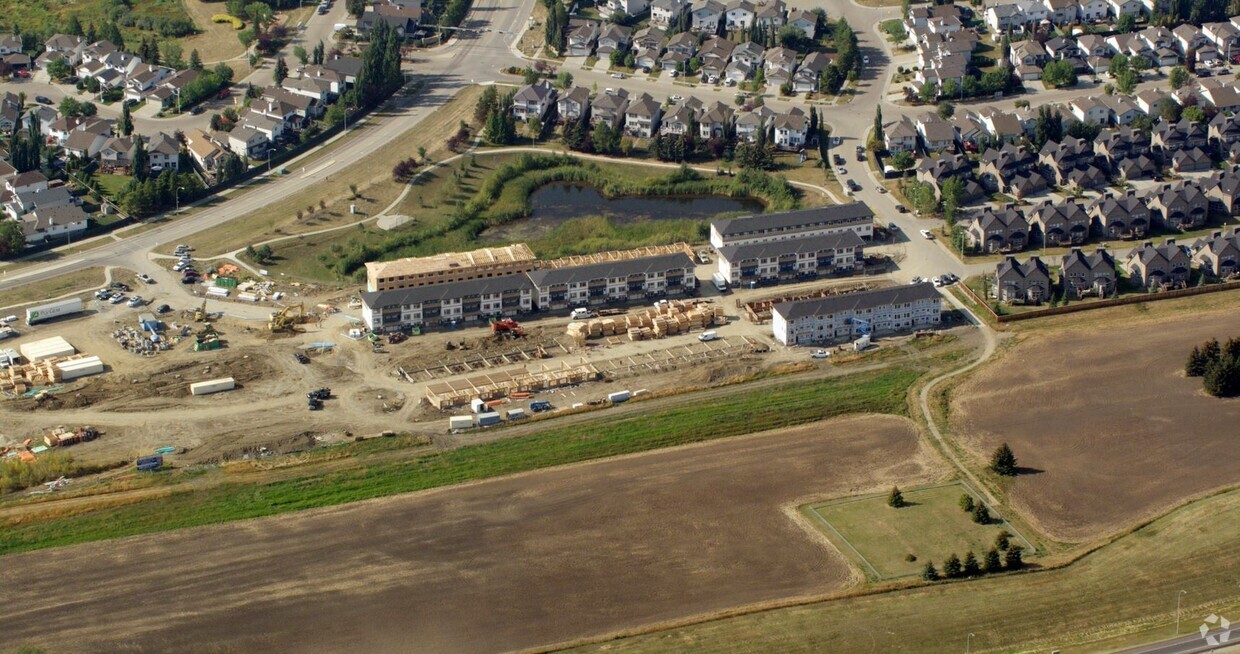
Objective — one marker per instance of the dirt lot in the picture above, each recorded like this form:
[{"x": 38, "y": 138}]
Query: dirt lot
[
  {"x": 499, "y": 565},
  {"x": 1110, "y": 430}
]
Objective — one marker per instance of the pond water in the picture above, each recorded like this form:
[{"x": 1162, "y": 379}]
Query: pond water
[{"x": 559, "y": 202}]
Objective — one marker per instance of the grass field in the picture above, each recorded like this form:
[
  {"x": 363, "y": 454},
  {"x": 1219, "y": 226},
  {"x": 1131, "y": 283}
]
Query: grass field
[
  {"x": 1128, "y": 587},
  {"x": 373, "y": 177},
  {"x": 740, "y": 412},
  {"x": 52, "y": 14},
  {"x": 80, "y": 280},
  {"x": 878, "y": 538}
]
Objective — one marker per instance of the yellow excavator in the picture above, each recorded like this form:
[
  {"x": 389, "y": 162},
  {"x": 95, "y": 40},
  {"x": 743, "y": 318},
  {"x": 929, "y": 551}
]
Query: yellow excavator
[
  {"x": 200, "y": 313},
  {"x": 286, "y": 318}
]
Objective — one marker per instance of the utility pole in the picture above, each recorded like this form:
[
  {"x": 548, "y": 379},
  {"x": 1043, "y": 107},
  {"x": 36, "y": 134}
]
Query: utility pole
[{"x": 1177, "y": 610}]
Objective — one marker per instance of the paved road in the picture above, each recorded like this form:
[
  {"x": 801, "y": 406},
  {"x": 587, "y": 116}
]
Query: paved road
[{"x": 1228, "y": 643}]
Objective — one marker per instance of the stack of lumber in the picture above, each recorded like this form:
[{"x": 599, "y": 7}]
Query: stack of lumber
[
  {"x": 667, "y": 319},
  {"x": 21, "y": 378}
]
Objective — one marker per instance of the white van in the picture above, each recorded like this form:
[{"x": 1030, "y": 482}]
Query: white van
[
  {"x": 708, "y": 336},
  {"x": 721, "y": 283},
  {"x": 581, "y": 313}
]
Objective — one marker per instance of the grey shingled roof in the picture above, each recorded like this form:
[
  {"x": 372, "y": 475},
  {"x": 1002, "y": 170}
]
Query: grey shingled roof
[
  {"x": 845, "y": 214},
  {"x": 446, "y": 291},
  {"x": 848, "y": 239},
  {"x": 857, "y": 301}
]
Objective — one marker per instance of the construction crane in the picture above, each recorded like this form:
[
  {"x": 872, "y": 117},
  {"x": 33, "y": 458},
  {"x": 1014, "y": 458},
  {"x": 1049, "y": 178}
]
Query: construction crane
[
  {"x": 200, "y": 313},
  {"x": 286, "y": 318}
]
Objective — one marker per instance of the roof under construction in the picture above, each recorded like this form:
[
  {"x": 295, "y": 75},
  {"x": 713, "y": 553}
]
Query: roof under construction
[
  {"x": 617, "y": 255},
  {"x": 518, "y": 252}
]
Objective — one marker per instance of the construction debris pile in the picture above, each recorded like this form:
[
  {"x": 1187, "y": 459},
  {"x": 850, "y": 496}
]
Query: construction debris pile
[
  {"x": 61, "y": 437},
  {"x": 19, "y": 379},
  {"x": 139, "y": 342},
  {"x": 759, "y": 311},
  {"x": 256, "y": 291},
  {"x": 668, "y": 319},
  {"x": 495, "y": 385}
]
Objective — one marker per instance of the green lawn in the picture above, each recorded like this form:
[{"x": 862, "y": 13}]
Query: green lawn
[
  {"x": 111, "y": 185},
  {"x": 738, "y": 412},
  {"x": 879, "y": 538}
]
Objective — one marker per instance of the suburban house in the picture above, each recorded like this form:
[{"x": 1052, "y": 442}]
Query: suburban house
[
  {"x": 1182, "y": 206},
  {"x": 163, "y": 151},
  {"x": 581, "y": 37},
  {"x": 1124, "y": 216},
  {"x": 997, "y": 230},
  {"x": 665, "y": 12},
  {"x": 1219, "y": 254},
  {"x": 936, "y": 134},
  {"x": 740, "y": 15},
  {"x": 937, "y": 170},
  {"x": 901, "y": 136},
  {"x": 203, "y": 150},
  {"x": 791, "y": 129},
  {"x": 65, "y": 221},
  {"x": 641, "y": 117},
  {"x": 678, "y": 120},
  {"x": 1058, "y": 224},
  {"x": 628, "y": 7},
  {"x": 1083, "y": 274},
  {"x": 715, "y": 121},
  {"x": 533, "y": 101},
  {"x": 706, "y": 15},
  {"x": 403, "y": 19},
  {"x": 574, "y": 104},
  {"x": 1028, "y": 282},
  {"x": 609, "y": 108},
  {"x": 613, "y": 38},
  {"x": 63, "y": 45},
  {"x": 1160, "y": 267},
  {"x": 804, "y": 21}
]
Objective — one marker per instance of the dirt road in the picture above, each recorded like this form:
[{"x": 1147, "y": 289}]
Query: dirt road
[{"x": 499, "y": 565}]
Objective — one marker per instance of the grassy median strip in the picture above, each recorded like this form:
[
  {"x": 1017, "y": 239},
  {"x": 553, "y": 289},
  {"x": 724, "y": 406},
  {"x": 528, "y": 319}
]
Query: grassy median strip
[
  {"x": 741, "y": 412},
  {"x": 81, "y": 280}
]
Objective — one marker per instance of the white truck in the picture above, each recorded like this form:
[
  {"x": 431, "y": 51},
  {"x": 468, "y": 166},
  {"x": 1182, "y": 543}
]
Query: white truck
[
  {"x": 720, "y": 282},
  {"x": 581, "y": 313},
  {"x": 53, "y": 310}
]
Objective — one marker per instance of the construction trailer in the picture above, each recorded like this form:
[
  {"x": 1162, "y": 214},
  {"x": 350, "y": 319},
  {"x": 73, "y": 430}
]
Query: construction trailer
[
  {"x": 212, "y": 386},
  {"x": 495, "y": 385}
]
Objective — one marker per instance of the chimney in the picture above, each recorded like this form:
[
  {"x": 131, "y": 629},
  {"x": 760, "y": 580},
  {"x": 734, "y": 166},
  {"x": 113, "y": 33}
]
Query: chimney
[
  {"x": 1148, "y": 244},
  {"x": 1130, "y": 193},
  {"x": 1169, "y": 242},
  {"x": 1216, "y": 234}
]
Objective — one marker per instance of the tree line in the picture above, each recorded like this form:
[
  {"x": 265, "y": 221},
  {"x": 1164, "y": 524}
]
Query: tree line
[{"x": 1217, "y": 365}]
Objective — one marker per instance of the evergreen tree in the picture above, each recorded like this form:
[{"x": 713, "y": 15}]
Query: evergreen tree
[
  {"x": 1003, "y": 462},
  {"x": 140, "y": 162},
  {"x": 981, "y": 515},
  {"x": 971, "y": 568},
  {"x": 1001, "y": 541},
  {"x": 126, "y": 123},
  {"x": 1012, "y": 559},
  {"x": 895, "y": 499},
  {"x": 952, "y": 567},
  {"x": 878, "y": 138},
  {"x": 1211, "y": 350},
  {"x": 1197, "y": 363},
  {"x": 316, "y": 55},
  {"x": 281, "y": 71},
  {"x": 1222, "y": 377},
  {"x": 929, "y": 573},
  {"x": 195, "y": 60},
  {"x": 966, "y": 502},
  {"x": 992, "y": 563}
]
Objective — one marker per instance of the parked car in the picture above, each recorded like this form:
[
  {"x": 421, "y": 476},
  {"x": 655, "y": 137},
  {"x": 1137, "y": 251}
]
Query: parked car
[
  {"x": 146, "y": 278},
  {"x": 163, "y": 308},
  {"x": 117, "y": 298},
  {"x": 197, "y": 110},
  {"x": 540, "y": 406},
  {"x": 853, "y": 186},
  {"x": 820, "y": 354},
  {"x": 937, "y": 281},
  {"x": 901, "y": 208},
  {"x": 927, "y": 234},
  {"x": 120, "y": 286},
  {"x": 841, "y": 170},
  {"x": 103, "y": 294},
  {"x": 915, "y": 280},
  {"x": 42, "y": 99},
  {"x": 135, "y": 301},
  {"x": 618, "y": 75},
  {"x": 189, "y": 279},
  {"x": 301, "y": 358}
]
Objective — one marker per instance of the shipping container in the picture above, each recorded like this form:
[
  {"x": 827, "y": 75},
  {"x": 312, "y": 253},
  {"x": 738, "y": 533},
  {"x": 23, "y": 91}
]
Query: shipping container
[
  {"x": 47, "y": 348},
  {"x": 489, "y": 418},
  {"x": 618, "y": 397},
  {"x": 477, "y": 406},
  {"x": 516, "y": 414},
  {"x": 460, "y": 422},
  {"x": 84, "y": 367},
  {"x": 53, "y": 310},
  {"x": 216, "y": 291},
  {"x": 212, "y": 386},
  {"x": 153, "y": 462}
]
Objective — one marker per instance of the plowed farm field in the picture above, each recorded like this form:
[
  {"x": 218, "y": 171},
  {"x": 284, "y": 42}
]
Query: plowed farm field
[
  {"x": 516, "y": 562},
  {"x": 1105, "y": 425}
]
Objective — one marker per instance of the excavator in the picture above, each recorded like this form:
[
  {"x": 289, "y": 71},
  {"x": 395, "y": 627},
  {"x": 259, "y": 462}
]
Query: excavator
[
  {"x": 287, "y": 318},
  {"x": 200, "y": 312},
  {"x": 507, "y": 328}
]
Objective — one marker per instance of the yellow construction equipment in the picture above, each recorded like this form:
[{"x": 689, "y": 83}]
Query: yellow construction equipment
[
  {"x": 200, "y": 313},
  {"x": 286, "y": 318}
]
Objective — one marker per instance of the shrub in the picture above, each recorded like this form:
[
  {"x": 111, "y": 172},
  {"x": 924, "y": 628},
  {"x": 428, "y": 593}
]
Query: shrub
[{"x": 237, "y": 23}]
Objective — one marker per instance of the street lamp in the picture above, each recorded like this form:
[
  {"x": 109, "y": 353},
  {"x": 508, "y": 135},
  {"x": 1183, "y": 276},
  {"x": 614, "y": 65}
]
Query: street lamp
[
  {"x": 1177, "y": 610},
  {"x": 177, "y": 195},
  {"x": 968, "y": 643}
]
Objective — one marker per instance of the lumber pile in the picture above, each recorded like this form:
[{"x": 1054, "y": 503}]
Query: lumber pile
[
  {"x": 18, "y": 379},
  {"x": 668, "y": 319}
]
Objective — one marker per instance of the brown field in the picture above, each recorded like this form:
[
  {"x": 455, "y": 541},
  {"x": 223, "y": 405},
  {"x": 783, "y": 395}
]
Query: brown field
[
  {"x": 1102, "y": 416},
  {"x": 516, "y": 562}
]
